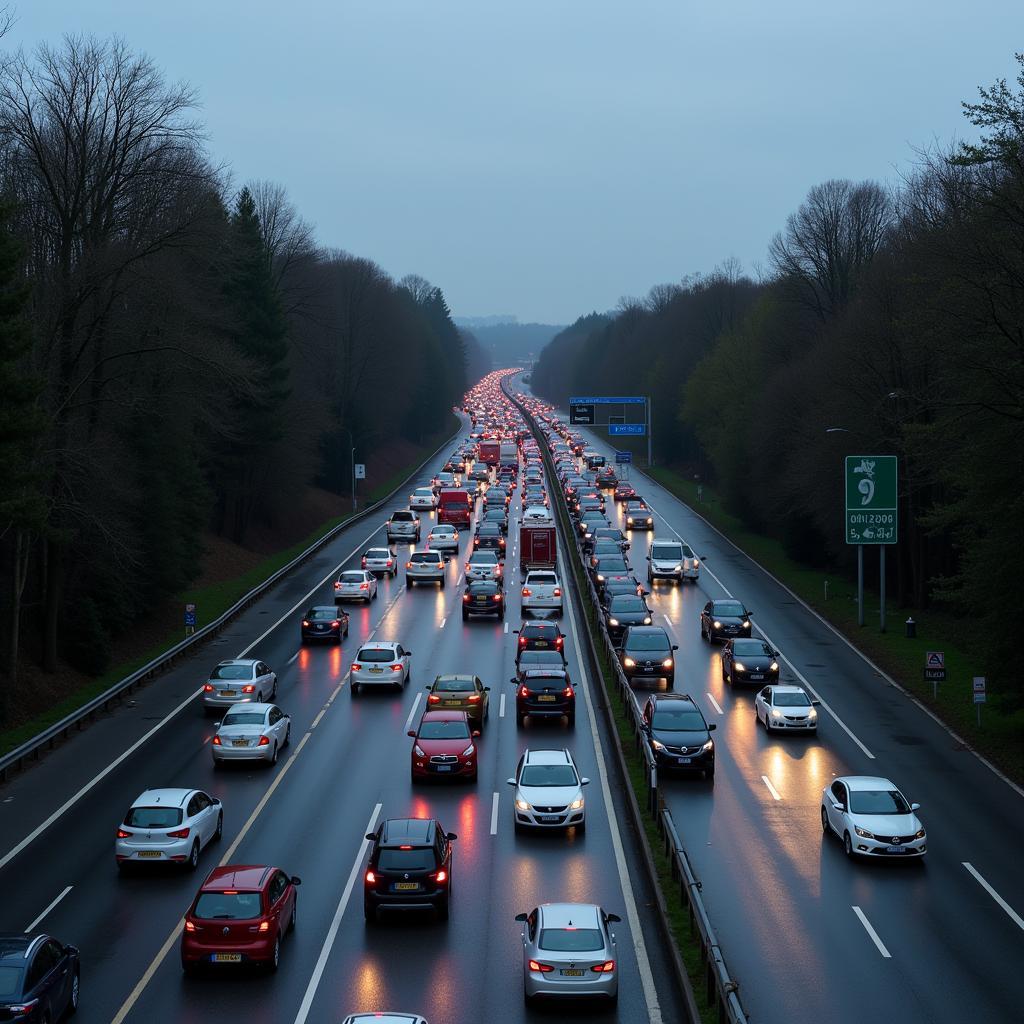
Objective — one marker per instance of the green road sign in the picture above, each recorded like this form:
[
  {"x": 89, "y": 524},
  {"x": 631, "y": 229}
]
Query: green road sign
[{"x": 871, "y": 511}]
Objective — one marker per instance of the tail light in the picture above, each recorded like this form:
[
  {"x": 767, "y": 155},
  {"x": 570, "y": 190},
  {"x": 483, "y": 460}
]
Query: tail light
[
  {"x": 542, "y": 968},
  {"x": 181, "y": 833},
  {"x": 558, "y": 592},
  {"x": 336, "y": 623},
  {"x": 364, "y": 586},
  {"x": 388, "y": 563},
  {"x": 495, "y": 597},
  {"x": 264, "y": 741},
  {"x": 337, "y": 584},
  {"x": 305, "y": 622},
  {"x": 408, "y": 565},
  {"x": 124, "y": 833},
  {"x": 606, "y": 968},
  {"x": 524, "y": 691},
  {"x": 442, "y": 876},
  {"x": 264, "y": 926},
  {"x": 396, "y": 668},
  {"x": 527, "y": 592},
  {"x": 356, "y": 666},
  {"x": 567, "y": 692},
  {"x": 559, "y": 641},
  {"x": 249, "y": 688},
  {"x": 208, "y": 688},
  {"x": 522, "y": 641},
  {"x": 364, "y": 562},
  {"x": 465, "y": 598},
  {"x": 189, "y": 926},
  {"x": 474, "y": 697},
  {"x": 216, "y": 741},
  {"x": 371, "y": 878},
  {"x": 433, "y": 699}
]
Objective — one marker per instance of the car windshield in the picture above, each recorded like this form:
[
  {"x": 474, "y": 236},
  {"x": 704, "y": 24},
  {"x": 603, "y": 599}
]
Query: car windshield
[
  {"x": 378, "y": 553},
  {"x": 627, "y": 603},
  {"x": 444, "y": 731},
  {"x": 425, "y": 556},
  {"x": 648, "y": 642},
  {"x": 684, "y": 719},
  {"x": 352, "y": 577},
  {"x": 322, "y": 614},
  {"x": 611, "y": 565},
  {"x": 455, "y": 685},
  {"x": 442, "y": 531},
  {"x": 750, "y": 648},
  {"x": 489, "y": 530},
  {"x": 419, "y": 858},
  {"x": 10, "y": 981},
  {"x": 375, "y": 654},
  {"x": 791, "y": 699},
  {"x": 483, "y": 557},
  {"x": 548, "y": 775},
  {"x": 244, "y": 718},
  {"x": 571, "y": 940},
  {"x": 729, "y": 608},
  {"x": 402, "y": 517},
  {"x": 483, "y": 587},
  {"x": 666, "y": 552},
  {"x": 227, "y": 906},
  {"x": 878, "y": 801},
  {"x": 232, "y": 672},
  {"x": 154, "y": 817},
  {"x": 426, "y": 492}
]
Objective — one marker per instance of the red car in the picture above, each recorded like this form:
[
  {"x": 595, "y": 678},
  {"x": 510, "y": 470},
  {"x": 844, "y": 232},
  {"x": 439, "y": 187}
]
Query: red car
[
  {"x": 239, "y": 916},
  {"x": 443, "y": 746},
  {"x": 624, "y": 491}
]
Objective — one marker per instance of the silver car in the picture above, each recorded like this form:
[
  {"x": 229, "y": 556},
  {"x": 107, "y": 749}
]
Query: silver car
[
  {"x": 423, "y": 499},
  {"x": 404, "y": 525},
  {"x": 443, "y": 538},
  {"x": 425, "y": 567},
  {"x": 384, "y": 1017},
  {"x": 542, "y": 591},
  {"x": 548, "y": 791},
  {"x": 872, "y": 818},
  {"x": 786, "y": 708},
  {"x": 569, "y": 953},
  {"x": 256, "y": 732},
  {"x": 168, "y": 826},
  {"x": 355, "y": 585},
  {"x": 380, "y": 561},
  {"x": 238, "y": 681},
  {"x": 380, "y": 663},
  {"x": 484, "y": 565}
]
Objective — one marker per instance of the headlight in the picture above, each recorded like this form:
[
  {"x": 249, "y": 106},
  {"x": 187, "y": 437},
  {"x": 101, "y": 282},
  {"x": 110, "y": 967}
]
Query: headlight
[
  {"x": 613, "y": 622},
  {"x": 628, "y": 662},
  {"x": 718, "y": 625},
  {"x": 417, "y": 751},
  {"x": 746, "y": 623},
  {"x": 667, "y": 663},
  {"x": 522, "y": 805},
  {"x": 629, "y": 520},
  {"x": 696, "y": 563},
  {"x": 919, "y": 834},
  {"x": 647, "y": 620},
  {"x": 649, "y": 520},
  {"x": 710, "y": 745},
  {"x": 600, "y": 577},
  {"x": 739, "y": 666},
  {"x": 812, "y": 715},
  {"x": 678, "y": 568},
  {"x": 468, "y": 751},
  {"x": 773, "y": 667},
  {"x": 862, "y": 832},
  {"x": 776, "y": 713},
  {"x": 576, "y": 804},
  {"x": 657, "y": 744}
]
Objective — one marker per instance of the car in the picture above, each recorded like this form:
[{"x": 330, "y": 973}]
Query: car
[
  {"x": 604, "y": 533},
  {"x": 539, "y": 635},
  {"x": 384, "y": 1017},
  {"x": 872, "y": 818},
  {"x": 638, "y": 515},
  {"x": 443, "y": 746},
  {"x": 423, "y": 499},
  {"x": 238, "y": 681},
  {"x": 251, "y": 732},
  {"x": 484, "y": 565},
  {"x": 443, "y": 537},
  {"x": 425, "y": 567},
  {"x": 606, "y": 477},
  {"x": 480, "y": 473},
  {"x": 240, "y": 915},
  {"x": 409, "y": 868},
  {"x": 625, "y": 610},
  {"x": 748, "y": 660},
  {"x": 624, "y": 490},
  {"x": 483, "y": 597},
  {"x": 678, "y": 734},
  {"x": 589, "y": 522},
  {"x": 672, "y": 560},
  {"x": 168, "y": 826},
  {"x": 598, "y": 547},
  {"x": 498, "y": 496},
  {"x": 404, "y": 525},
  {"x": 536, "y": 514},
  {"x": 380, "y": 663},
  {"x": 40, "y": 978},
  {"x": 497, "y": 514},
  {"x": 355, "y": 585},
  {"x": 380, "y": 561},
  {"x": 648, "y": 651},
  {"x": 542, "y": 592},
  {"x": 324, "y": 622},
  {"x": 609, "y": 567},
  {"x": 460, "y": 693},
  {"x": 545, "y": 693},
  {"x": 548, "y": 791},
  {"x": 722, "y": 619},
  {"x": 533, "y": 659},
  {"x": 786, "y": 708},
  {"x": 488, "y": 537},
  {"x": 569, "y": 953},
  {"x": 615, "y": 586}
]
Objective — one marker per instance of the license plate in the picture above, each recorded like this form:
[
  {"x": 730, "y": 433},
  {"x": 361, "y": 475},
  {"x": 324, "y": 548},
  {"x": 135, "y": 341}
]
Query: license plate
[
  {"x": 149, "y": 853},
  {"x": 648, "y": 666},
  {"x": 757, "y": 675},
  {"x": 571, "y": 973},
  {"x": 481, "y": 600},
  {"x": 452, "y": 703},
  {"x": 376, "y": 671},
  {"x": 895, "y": 849},
  {"x": 227, "y": 958},
  {"x": 547, "y": 698},
  {"x": 684, "y": 760},
  {"x": 550, "y": 819},
  {"x": 239, "y": 743},
  {"x": 227, "y": 693},
  {"x": 443, "y": 767},
  {"x": 406, "y": 886},
  {"x": 541, "y": 643}
]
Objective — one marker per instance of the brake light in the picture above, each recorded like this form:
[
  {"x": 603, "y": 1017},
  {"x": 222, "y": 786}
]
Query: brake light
[
  {"x": 249, "y": 688},
  {"x": 433, "y": 699},
  {"x": 442, "y": 876},
  {"x": 356, "y": 666},
  {"x": 495, "y": 597},
  {"x": 337, "y": 584},
  {"x": 524, "y": 691},
  {"x": 408, "y": 565},
  {"x": 606, "y": 968},
  {"x": 388, "y": 563},
  {"x": 559, "y": 641},
  {"x": 396, "y": 668},
  {"x": 473, "y": 697},
  {"x": 405, "y": 847},
  {"x": 182, "y": 833},
  {"x": 567, "y": 692},
  {"x": 364, "y": 586},
  {"x": 264, "y": 926},
  {"x": 522, "y": 641},
  {"x": 264, "y": 741},
  {"x": 542, "y": 968},
  {"x": 216, "y": 741},
  {"x": 189, "y": 926},
  {"x": 527, "y": 592},
  {"x": 123, "y": 834},
  {"x": 558, "y": 591},
  {"x": 336, "y": 623},
  {"x": 208, "y": 688},
  {"x": 465, "y": 598},
  {"x": 371, "y": 878}
]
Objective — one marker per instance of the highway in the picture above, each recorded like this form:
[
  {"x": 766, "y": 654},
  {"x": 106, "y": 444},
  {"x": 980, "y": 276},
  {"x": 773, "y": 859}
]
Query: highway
[
  {"x": 346, "y": 769},
  {"x": 808, "y": 935}
]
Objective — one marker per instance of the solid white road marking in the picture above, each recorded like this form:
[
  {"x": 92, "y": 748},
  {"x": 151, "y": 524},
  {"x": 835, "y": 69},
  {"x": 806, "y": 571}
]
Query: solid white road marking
[
  {"x": 412, "y": 712},
  {"x": 332, "y": 932},
  {"x": 668, "y": 620},
  {"x": 494, "y": 815},
  {"x": 501, "y": 707},
  {"x": 871, "y": 931},
  {"x": 1014, "y": 916},
  {"x": 292, "y": 659},
  {"x": 506, "y": 627},
  {"x": 443, "y": 621},
  {"x": 771, "y": 789},
  {"x": 55, "y": 902},
  {"x": 717, "y": 706}
]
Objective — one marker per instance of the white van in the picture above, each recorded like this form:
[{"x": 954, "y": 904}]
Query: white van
[{"x": 672, "y": 560}]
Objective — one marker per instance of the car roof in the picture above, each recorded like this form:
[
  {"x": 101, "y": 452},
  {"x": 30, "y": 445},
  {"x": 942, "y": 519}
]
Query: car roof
[
  {"x": 404, "y": 831},
  {"x": 787, "y": 688},
  {"x": 465, "y": 676},
  {"x": 859, "y": 782},
  {"x": 547, "y": 757},
  {"x": 249, "y": 705},
  {"x": 16, "y": 947},
  {"x": 545, "y": 673},
  {"x": 237, "y": 661},
  {"x": 564, "y": 915},
  {"x": 333, "y": 608},
  {"x": 236, "y": 876},
  {"x": 482, "y": 585},
  {"x": 657, "y": 697},
  {"x": 444, "y": 716},
  {"x": 380, "y": 548},
  {"x": 379, "y": 645},
  {"x": 166, "y": 797},
  {"x": 647, "y": 631}
]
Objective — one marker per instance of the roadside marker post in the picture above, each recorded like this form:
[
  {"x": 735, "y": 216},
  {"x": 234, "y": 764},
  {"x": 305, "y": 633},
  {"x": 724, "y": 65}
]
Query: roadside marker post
[{"x": 979, "y": 695}]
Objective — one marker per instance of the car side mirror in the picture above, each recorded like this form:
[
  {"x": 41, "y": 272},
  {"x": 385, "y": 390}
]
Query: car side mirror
[
  {"x": 816, "y": 703},
  {"x": 521, "y": 917},
  {"x": 428, "y": 687},
  {"x": 216, "y": 725},
  {"x": 515, "y": 630},
  {"x": 514, "y": 681},
  {"x": 675, "y": 647},
  {"x": 412, "y": 733},
  {"x": 712, "y": 727},
  {"x": 648, "y": 558},
  {"x": 614, "y": 919},
  {"x": 452, "y": 836},
  {"x": 216, "y": 800},
  {"x": 749, "y": 615},
  {"x": 645, "y": 727},
  {"x": 915, "y": 807},
  {"x": 487, "y": 688},
  {"x": 371, "y": 836},
  {"x": 295, "y": 880},
  {"x": 584, "y": 782},
  {"x": 510, "y": 782}
]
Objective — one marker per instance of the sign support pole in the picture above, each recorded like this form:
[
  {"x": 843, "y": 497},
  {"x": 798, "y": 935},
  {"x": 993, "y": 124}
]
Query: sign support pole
[
  {"x": 881, "y": 587},
  {"x": 860, "y": 584},
  {"x": 650, "y": 457}
]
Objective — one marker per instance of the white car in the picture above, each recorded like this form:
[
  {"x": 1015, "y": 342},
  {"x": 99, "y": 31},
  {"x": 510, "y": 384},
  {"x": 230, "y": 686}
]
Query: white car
[
  {"x": 238, "y": 681},
  {"x": 404, "y": 525},
  {"x": 672, "y": 560},
  {"x": 380, "y": 663},
  {"x": 168, "y": 826},
  {"x": 536, "y": 514},
  {"x": 425, "y": 567},
  {"x": 355, "y": 585},
  {"x": 443, "y": 538},
  {"x": 484, "y": 565},
  {"x": 872, "y": 818},
  {"x": 380, "y": 560},
  {"x": 548, "y": 791},
  {"x": 384, "y": 1017},
  {"x": 252, "y": 732},
  {"x": 542, "y": 591},
  {"x": 423, "y": 499},
  {"x": 786, "y": 708}
]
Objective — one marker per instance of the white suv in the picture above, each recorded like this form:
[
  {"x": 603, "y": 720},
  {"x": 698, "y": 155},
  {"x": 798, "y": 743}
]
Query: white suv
[
  {"x": 380, "y": 663},
  {"x": 548, "y": 791},
  {"x": 404, "y": 525},
  {"x": 672, "y": 560},
  {"x": 542, "y": 592},
  {"x": 443, "y": 537},
  {"x": 425, "y": 567}
]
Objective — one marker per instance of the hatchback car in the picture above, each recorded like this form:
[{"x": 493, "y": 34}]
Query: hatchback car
[
  {"x": 602, "y": 547},
  {"x": 404, "y": 525},
  {"x": 409, "y": 868},
  {"x": 355, "y": 585},
  {"x": 324, "y": 622},
  {"x": 648, "y": 651},
  {"x": 612, "y": 567},
  {"x": 542, "y": 592},
  {"x": 423, "y": 499},
  {"x": 443, "y": 537},
  {"x": 638, "y": 515},
  {"x": 168, "y": 826},
  {"x": 40, "y": 978},
  {"x": 488, "y": 537},
  {"x": 787, "y": 709},
  {"x": 443, "y": 747},
  {"x": 239, "y": 916},
  {"x": 747, "y": 660},
  {"x": 483, "y": 597},
  {"x": 380, "y": 561},
  {"x": 461, "y": 693},
  {"x": 498, "y": 515},
  {"x": 539, "y": 635},
  {"x": 678, "y": 734},
  {"x": 624, "y": 490},
  {"x": 548, "y": 791},
  {"x": 238, "y": 681},
  {"x": 484, "y": 565},
  {"x": 380, "y": 663},
  {"x": 425, "y": 567},
  {"x": 251, "y": 732},
  {"x": 872, "y": 818},
  {"x": 569, "y": 953},
  {"x": 545, "y": 693},
  {"x": 384, "y": 1017},
  {"x": 550, "y": 658},
  {"x": 625, "y": 610},
  {"x": 720, "y": 620}
]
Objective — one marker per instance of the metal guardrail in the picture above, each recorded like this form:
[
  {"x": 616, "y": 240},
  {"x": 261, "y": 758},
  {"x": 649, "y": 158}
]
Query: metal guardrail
[
  {"x": 59, "y": 730},
  {"x": 720, "y": 989}
]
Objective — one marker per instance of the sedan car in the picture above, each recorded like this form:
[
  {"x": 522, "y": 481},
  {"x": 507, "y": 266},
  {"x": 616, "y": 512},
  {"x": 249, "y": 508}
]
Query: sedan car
[
  {"x": 380, "y": 663},
  {"x": 40, "y": 978},
  {"x": 748, "y": 660},
  {"x": 638, "y": 515},
  {"x": 239, "y": 916},
  {"x": 545, "y": 693},
  {"x": 409, "y": 868},
  {"x": 548, "y": 791},
  {"x": 169, "y": 826},
  {"x": 251, "y": 732},
  {"x": 624, "y": 490},
  {"x": 238, "y": 681},
  {"x": 497, "y": 514},
  {"x": 720, "y": 620},
  {"x": 601, "y": 547},
  {"x": 625, "y": 610},
  {"x": 872, "y": 818},
  {"x": 539, "y": 635},
  {"x": 384, "y": 1017},
  {"x": 648, "y": 651},
  {"x": 423, "y": 499},
  {"x": 425, "y": 567},
  {"x": 380, "y": 561},
  {"x": 324, "y": 622},
  {"x": 483, "y": 597},
  {"x": 608, "y": 567},
  {"x": 355, "y": 585},
  {"x": 786, "y": 708},
  {"x": 569, "y": 953},
  {"x": 678, "y": 734},
  {"x": 443, "y": 746},
  {"x": 443, "y": 537},
  {"x": 461, "y": 693}
]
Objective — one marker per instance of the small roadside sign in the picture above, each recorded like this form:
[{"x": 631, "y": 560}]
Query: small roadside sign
[
  {"x": 624, "y": 458},
  {"x": 935, "y": 666},
  {"x": 360, "y": 470},
  {"x": 979, "y": 689},
  {"x": 190, "y": 619}
]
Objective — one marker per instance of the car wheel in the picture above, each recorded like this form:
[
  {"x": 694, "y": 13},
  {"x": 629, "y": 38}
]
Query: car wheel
[
  {"x": 291, "y": 923},
  {"x": 520, "y": 720},
  {"x": 220, "y": 828},
  {"x": 767, "y": 724},
  {"x": 571, "y": 720},
  {"x": 273, "y": 756},
  {"x": 190, "y": 970},
  {"x": 444, "y": 909},
  {"x": 614, "y": 1000},
  {"x": 275, "y": 958},
  {"x": 847, "y": 845},
  {"x": 408, "y": 582},
  {"x": 353, "y": 690},
  {"x": 442, "y": 582},
  {"x": 518, "y": 828},
  {"x": 465, "y": 617},
  {"x": 76, "y": 985},
  {"x": 825, "y": 827},
  {"x": 369, "y": 913},
  {"x": 287, "y": 735},
  {"x": 193, "y": 857}
]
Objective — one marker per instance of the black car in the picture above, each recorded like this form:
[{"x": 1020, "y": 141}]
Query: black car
[
  {"x": 599, "y": 547},
  {"x": 721, "y": 620},
  {"x": 483, "y": 597},
  {"x": 497, "y": 496},
  {"x": 410, "y": 867},
  {"x": 606, "y": 533},
  {"x": 489, "y": 537},
  {"x": 545, "y": 693},
  {"x": 539, "y": 635},
  {"x": 39, "y": 978},
  {"x": 638, "y": 515},
  {"x": 648, "y": 651},
  {"x": 498, "y": 515},
  {"x": 748, "y": 660},
  {"x": 619, "y": 585},
  {"x": 625, "y": 610},
  {"x": 527, "y": 660},
  {"x": 678, "y": 734},
  {"x": 608, "y": 567},
  {"x": 324, "y": 622}
]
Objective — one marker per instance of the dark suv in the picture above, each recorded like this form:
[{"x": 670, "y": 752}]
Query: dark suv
[
  {"x": 545, "y": 693},
  {"x": 40, "y": 978},
  {"x": 648, "y": 651},
  {"x": 678, "y": 734},
  {"x": 410, "y": 867},
  {"x": 539, "y": 635}
]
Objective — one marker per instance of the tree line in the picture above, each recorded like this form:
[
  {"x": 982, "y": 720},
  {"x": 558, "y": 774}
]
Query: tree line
[
  {"x": 176, "y": 354},
  {"x": 891, "y": 322}
]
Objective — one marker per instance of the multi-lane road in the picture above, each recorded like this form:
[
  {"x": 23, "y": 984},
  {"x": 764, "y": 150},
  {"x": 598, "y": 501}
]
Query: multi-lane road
[
  {"x": 346, "y": 769},
  {"x": 809, "y": 935}
]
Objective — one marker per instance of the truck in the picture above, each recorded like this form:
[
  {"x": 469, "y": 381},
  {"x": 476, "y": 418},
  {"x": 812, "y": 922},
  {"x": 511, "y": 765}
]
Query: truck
[
  {"x": 537, "y": 545},
  {"x": 490, "y": 451},
  {"x": 455, "y": 507}
]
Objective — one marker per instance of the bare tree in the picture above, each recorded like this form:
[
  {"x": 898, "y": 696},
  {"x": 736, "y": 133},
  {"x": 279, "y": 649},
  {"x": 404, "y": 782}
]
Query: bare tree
[{"x": 289, "y": 240}]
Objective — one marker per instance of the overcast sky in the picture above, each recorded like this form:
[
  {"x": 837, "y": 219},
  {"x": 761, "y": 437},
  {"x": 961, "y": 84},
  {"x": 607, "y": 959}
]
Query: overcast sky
[{"x": 546, "y": 157}]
